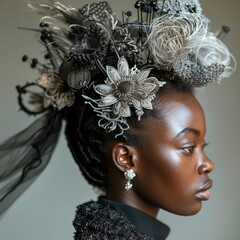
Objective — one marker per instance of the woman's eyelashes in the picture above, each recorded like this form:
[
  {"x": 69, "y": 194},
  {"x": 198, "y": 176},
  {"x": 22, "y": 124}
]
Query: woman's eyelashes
[
  {"x": 205, "y": 145},
  {"x": 189, "y": 150}
]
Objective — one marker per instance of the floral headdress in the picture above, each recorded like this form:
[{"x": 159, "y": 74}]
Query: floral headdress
[
  {"x": 172, "y": 36},
  {"x": 169, "y": 35}
]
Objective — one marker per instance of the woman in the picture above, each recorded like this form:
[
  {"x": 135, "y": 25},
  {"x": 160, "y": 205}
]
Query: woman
[
  {"x": 165, "y": 150},
  {"x": 133, "y": 125}
]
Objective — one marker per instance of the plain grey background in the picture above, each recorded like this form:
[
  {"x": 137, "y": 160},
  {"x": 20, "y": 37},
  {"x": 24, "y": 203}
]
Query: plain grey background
[{"x": 47, "y": 208}]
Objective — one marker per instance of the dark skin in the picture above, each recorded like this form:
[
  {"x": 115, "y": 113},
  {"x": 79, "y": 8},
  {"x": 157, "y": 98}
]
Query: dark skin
[{"x": 171, "y": 165}]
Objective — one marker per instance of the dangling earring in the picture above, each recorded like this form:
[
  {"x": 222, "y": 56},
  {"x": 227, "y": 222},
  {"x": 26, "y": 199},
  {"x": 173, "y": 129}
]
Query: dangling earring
[{"x": 129, "y": 175}]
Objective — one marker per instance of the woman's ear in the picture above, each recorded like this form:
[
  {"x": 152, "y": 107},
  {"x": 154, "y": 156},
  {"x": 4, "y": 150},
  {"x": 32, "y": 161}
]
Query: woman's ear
[{"x": 124, "y": 157}]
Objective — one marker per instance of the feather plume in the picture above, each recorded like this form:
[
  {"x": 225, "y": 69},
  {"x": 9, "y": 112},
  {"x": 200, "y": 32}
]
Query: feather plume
[{"x": 181, "y": 42}]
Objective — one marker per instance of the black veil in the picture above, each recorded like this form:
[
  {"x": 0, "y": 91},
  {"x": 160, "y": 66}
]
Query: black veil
[{"x": 25, "y": 155}]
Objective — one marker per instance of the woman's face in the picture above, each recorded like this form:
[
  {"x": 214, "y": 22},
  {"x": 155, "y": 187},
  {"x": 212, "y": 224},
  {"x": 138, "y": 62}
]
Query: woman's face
[{"x": 172, "y": 170}]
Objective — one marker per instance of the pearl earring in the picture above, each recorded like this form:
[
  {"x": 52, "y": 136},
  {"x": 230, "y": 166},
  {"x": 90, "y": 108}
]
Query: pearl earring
[{"x": 129, "y": 175}]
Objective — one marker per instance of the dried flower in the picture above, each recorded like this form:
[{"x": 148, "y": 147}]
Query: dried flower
[
  {"x": 56, "y": 90},
  {"x": 93, "y": 49}
]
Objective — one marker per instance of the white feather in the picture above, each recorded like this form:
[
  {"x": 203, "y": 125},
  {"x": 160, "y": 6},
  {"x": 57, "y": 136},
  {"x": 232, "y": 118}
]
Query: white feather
[{"x": 181, "y": 42}]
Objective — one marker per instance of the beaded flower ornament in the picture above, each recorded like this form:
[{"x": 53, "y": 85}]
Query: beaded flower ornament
[{"x": 172, "y": 36}]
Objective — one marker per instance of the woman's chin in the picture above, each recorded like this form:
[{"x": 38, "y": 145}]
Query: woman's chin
[{"x": 188, "y": 211}]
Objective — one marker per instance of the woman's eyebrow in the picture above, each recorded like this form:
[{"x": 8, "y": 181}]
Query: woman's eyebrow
[{"x": 187, "y": 130}]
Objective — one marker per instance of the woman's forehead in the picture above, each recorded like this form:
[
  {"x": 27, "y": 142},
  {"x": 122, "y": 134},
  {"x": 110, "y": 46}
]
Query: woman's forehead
[{"x": 178, "y": 112}]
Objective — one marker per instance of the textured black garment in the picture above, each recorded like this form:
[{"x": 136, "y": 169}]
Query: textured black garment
[
  {"x": 148, "y": 225},
  {"x": 100, "y": 221}
]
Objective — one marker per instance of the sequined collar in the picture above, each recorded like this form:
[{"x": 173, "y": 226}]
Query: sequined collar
[{"x": 142, "y": 221}]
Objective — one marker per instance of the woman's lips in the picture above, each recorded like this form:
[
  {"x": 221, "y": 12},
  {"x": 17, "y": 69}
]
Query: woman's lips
[{"x": 203, "y": 194}]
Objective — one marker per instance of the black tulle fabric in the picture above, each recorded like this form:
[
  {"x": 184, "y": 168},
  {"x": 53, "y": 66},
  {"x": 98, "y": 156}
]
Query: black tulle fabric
[{"x": 25, "y": 155}]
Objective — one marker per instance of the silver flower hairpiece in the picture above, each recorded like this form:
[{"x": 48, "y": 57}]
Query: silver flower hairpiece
[{"x": 124, "y": 89}]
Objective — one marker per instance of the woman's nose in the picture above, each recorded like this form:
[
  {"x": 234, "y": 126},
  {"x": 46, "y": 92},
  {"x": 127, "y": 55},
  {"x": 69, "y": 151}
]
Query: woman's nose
[{"x": 206, "y": 166}]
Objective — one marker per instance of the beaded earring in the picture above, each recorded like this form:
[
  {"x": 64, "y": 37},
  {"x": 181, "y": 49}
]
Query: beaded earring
[{"x": 129, "y": 175}]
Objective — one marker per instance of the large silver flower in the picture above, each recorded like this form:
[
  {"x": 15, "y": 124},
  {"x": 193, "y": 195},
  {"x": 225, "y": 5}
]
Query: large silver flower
[{"x": 125, "y": 88}]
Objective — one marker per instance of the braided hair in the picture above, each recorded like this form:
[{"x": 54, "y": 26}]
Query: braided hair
[{"x": 86, "y": 139}]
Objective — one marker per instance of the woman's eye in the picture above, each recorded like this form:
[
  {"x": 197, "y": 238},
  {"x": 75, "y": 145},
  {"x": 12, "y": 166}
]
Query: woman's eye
[{"x": 188, "y": 150}]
